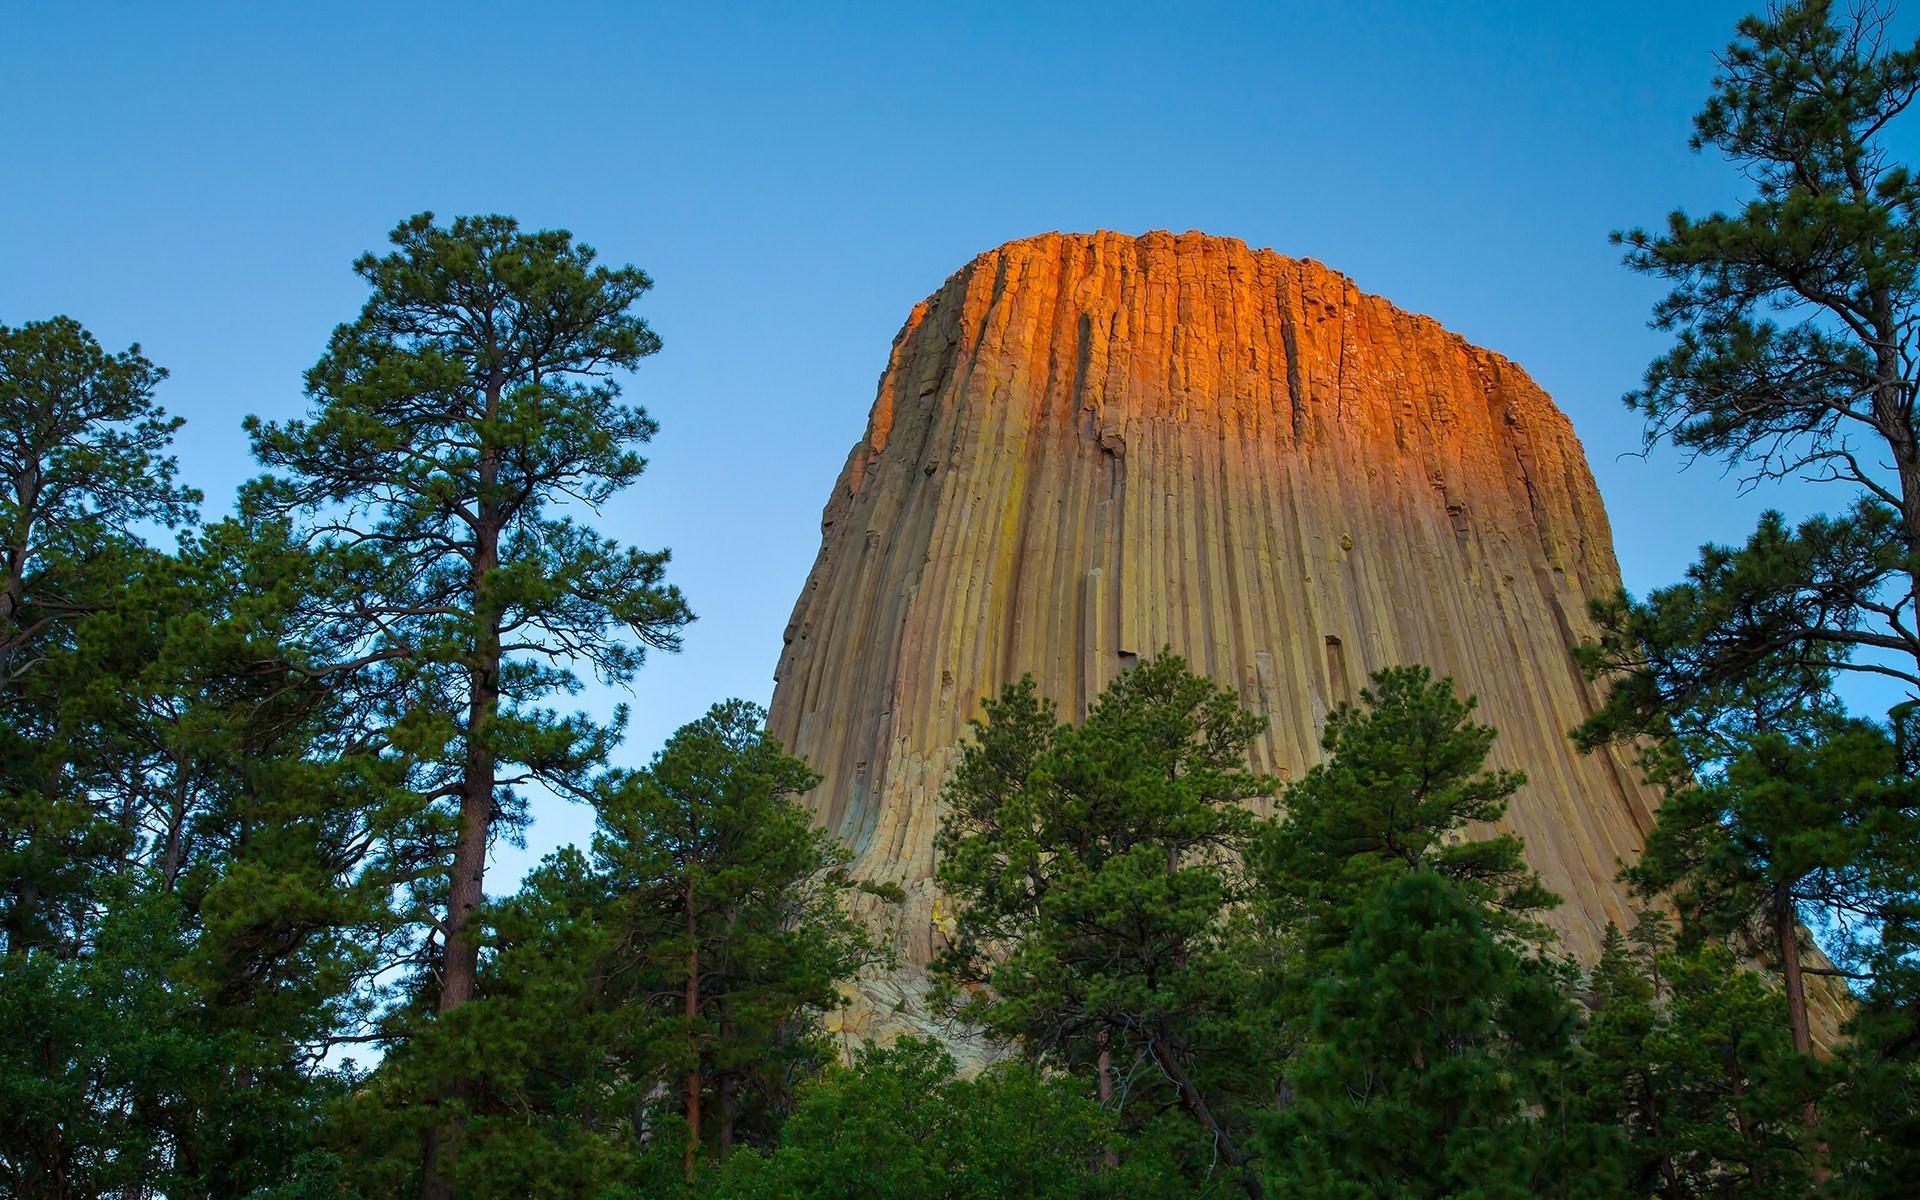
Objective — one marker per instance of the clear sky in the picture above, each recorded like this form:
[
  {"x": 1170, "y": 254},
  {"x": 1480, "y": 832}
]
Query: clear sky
[{"x": 198, "y": 177}]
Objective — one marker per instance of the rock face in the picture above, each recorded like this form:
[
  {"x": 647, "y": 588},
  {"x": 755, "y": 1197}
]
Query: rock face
[{"x": 1089, "y": 447}]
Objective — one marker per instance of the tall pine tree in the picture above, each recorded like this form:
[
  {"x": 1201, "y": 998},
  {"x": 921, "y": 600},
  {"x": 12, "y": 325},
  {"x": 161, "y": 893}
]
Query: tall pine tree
[
  {"x": 459, "y": 425},
  {"x": 1792, "y": 318}
]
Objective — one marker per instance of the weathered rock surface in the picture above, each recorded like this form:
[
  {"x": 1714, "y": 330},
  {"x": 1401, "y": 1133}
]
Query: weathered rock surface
[{"x": 1089, "y": 447}]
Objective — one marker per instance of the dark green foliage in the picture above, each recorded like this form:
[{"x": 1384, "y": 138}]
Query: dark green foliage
[
  {"x": 1435, "y": 1064},
  {"x": 1790, "y": 317},
  {"x": 140, "y": 1075},
  {"x": 194, "y": 979},
  {"x": 736, "y": 904},
  {"x": 1870, "y": 1117},
  {"x": 1825, "y": 825},
  {"x": 1822, "y": 824},
  {"x": 1096, "y": 870},
  {"x": 574, "y": 1060},
  {"x": 1405, "y": 775},
  {"x": 1688, "y": 1057},
  {"x": 542, "y": 1055},
  {"x": 1719, "y": 656},
  {"x": 1802, "y": 103},
  {"x": 82, "y": 465},
  {"x": 1436, "y": 1037},
  {"x": 898, "y": 1125},
  {"x": 195, "y": 852},
  {"x": 459, "y": 423}
]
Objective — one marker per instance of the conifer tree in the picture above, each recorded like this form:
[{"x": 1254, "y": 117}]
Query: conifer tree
[
  {"x": 1687, "y": 1056},
  {"x": 1792, "y": 317},
  {"x": 1095, "y": 870},
  {"x": 1437, "y": 1033},
  {"x": 580, "y": 1064},
  {"x": 459, "y": 425},
  {"x": 900, "y": 1125},
  {"x": 1404, "y": 777},
  {"x": 1435, "y": 1064},
  {"x": 735, "y": 905},
  {"x": 1822, "y": 825},
  {"x": 202, "y": 977},
  {"x": 83, "y": 464}
]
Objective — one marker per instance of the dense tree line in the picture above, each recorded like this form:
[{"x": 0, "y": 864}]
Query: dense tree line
[{"x": 249, "y": 785}]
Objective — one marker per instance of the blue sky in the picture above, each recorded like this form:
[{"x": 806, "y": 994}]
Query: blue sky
[{"x": 199, "y": 177}]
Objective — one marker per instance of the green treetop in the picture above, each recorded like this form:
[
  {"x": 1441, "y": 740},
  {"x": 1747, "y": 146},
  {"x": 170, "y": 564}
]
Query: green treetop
[
  {"x": 644, "y": 1009},
  {"x": 459, "y": 425},
  {"x": 1095, "y": 869},
  {"x": 1434, "y": 1064},
  {"x": 710, "y": 850},
  {"x": 83, "y": 463},
  {"x": 1404, "y": 777},
  {"x": 1687, "y": 1057}
]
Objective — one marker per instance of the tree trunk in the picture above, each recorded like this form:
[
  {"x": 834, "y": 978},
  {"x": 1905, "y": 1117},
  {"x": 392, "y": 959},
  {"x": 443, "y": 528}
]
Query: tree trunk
[
  {"x": 1786, "y": 931},
  {"x": 466, "y": 889},
  {"x": 1196, "y": 1105},
  {"x": 21, "y": 918},
  {"x": 1668, "y": 1178},
  {"x": 13, "y": 584},
  {"x": 1105, "y": 1068},
  {"x": 173, "y": 855},
  {"x": 693, "y": 1043},
  {"x": 1889, "y": 411},
  {"x": 1738, "y": 1079}
]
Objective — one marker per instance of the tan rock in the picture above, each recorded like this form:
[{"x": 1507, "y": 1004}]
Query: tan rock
[{"x": 1089, "y": 447}]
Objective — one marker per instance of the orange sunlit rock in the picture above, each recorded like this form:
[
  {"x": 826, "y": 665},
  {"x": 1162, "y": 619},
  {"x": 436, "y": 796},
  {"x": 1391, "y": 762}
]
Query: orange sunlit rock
[{"x": 1089, "y": 447}]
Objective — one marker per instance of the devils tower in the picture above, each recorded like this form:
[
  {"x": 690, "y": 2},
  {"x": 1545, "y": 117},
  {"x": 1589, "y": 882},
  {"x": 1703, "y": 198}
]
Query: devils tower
[{"x": 1089, "y": 447}]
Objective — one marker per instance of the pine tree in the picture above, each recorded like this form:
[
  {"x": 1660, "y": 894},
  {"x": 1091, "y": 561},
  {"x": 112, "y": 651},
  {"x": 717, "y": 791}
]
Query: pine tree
[
  {"x": 737, "y": 903},
  {"x": 459, "y": 423},
  {"x": 201, "y": 977},
  {"x": 1437, "y": 1033},
  {"x": 552, "y": 1061},
  {"x": 581, "y": 1068},
  {"x": 1687, "y": 1055},
  {"x": 83, "y": 465},
  {"x": 1791, "y": 317},
  {"x": 1404, "y": 777},
  {"x": 899, "y": 1125},
  {"x": 1816, "y": 824},
  {"x": 1095, "y": 871},
  {"x": 1435, "y": 1065}
]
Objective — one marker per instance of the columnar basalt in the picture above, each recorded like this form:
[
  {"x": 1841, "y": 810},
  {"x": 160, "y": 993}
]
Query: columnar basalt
[{"x": 1086, "y": 448}]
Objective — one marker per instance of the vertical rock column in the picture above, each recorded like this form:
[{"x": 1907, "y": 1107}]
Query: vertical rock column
[{"x": 1089, "y": 447}]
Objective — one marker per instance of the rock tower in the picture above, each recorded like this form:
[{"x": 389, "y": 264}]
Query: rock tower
[{"x": 1088, "y": 447}]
